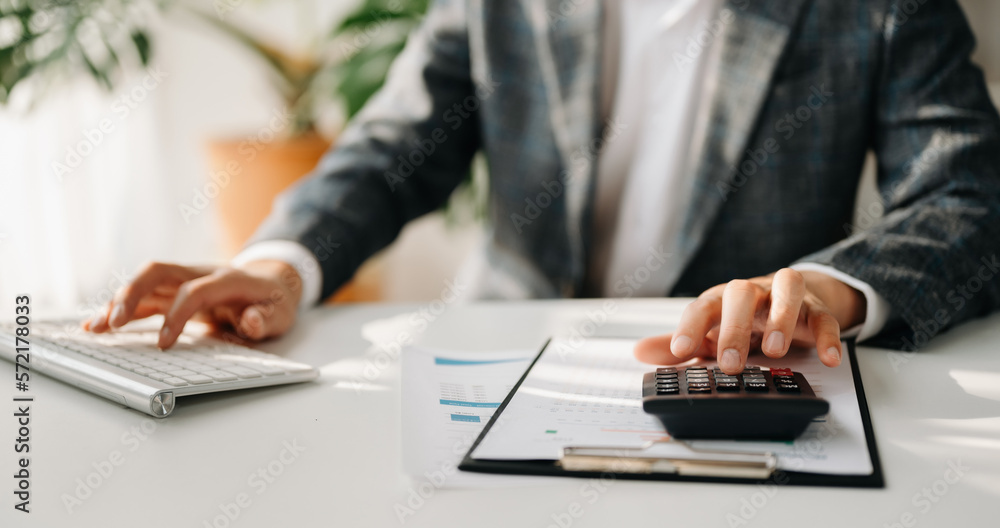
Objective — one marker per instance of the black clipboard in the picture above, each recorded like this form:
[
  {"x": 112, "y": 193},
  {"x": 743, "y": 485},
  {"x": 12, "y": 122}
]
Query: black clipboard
[{"x": 750, "y": 470}]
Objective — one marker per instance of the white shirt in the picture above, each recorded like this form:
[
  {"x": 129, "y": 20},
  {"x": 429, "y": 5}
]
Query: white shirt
[{"x": 655, "y": 94}]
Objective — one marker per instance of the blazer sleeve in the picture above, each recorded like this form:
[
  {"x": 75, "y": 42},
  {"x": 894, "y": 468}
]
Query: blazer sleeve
[
  {"x": 401, "y": 157},
  {"x": 933, "y": 254}
]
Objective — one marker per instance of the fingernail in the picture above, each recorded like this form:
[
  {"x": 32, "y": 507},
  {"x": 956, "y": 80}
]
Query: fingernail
[
  {"x": 730, "y": 360},
  {"x": 681, "y": 345},
  {"x": 118, "y": 315},
  {"x": 775, "y": 342},
  {"x": 164, "y": 334},
  {"x": 834, "y": 352}
]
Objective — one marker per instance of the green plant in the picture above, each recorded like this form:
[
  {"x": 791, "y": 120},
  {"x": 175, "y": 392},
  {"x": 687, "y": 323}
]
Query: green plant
[
  {"x": 369, "y": 39},
  {"x": 50, "y": 40},
  {"x": 45, "y": 41},
  {"x": 350, "y": 61}
]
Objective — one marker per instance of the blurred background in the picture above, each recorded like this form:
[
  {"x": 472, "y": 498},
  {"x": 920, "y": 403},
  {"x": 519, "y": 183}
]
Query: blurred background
[{"x": 137, "y": 130}]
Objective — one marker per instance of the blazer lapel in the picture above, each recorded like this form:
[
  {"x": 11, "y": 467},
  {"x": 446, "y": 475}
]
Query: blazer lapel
[
  {"x": 752, "y": 45},
  {"x": 568, "y": 46}
]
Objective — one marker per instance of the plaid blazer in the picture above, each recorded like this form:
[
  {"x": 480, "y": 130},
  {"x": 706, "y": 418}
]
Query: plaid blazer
[{"x": 805, "y": 89}]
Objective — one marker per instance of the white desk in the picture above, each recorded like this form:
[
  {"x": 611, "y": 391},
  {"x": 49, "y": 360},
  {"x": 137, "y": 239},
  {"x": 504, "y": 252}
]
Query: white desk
[{"x": 941, "y": 407}]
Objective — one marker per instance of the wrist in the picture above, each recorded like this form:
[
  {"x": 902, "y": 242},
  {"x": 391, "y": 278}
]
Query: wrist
[{"x": 848, "y": 305}]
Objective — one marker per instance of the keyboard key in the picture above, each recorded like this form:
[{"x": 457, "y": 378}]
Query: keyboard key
[
  {"x": 180, "y": 373},
  {"x": 145, "y": 371},
  {"x": 197, "y": 379},
  {"x": 219, "y": 375},
  {"x": 263, "y": 368},
  {"x": 158, "y": 365},
  {"x": 243, "y": 372},
  {"x": 176, "y": 382},
  {"x": 190, "y": 365},
  {"x": 145, "y": 361},
  {"x": 218, "y": 363},
  {"x": 158, "y": 376}
]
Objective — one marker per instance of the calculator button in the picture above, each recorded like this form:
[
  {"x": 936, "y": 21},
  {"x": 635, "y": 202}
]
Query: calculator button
[
  {"x": 727, "y": 386},
  {"x": 787, "y": 387},
  {"x": 781, "y": 372},
  {"x": 755, "y": 386},
  {"x": 667, "y": 385},
  {"x": 697, "y": 376},
  {"x": 667, "y": 391},
  {"x": 699, "y": 390},
  {"x": 698, "y": 385},
  {"x": 666, "y": 370}
]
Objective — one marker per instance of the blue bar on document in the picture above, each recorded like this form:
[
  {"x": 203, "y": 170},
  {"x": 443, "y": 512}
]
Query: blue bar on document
[
  {"x": 460, "y": 403},
  {"x": 464, "y": 418}
]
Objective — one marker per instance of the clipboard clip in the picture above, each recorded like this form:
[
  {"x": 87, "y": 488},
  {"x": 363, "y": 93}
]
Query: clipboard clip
[{"x": 687, "y": 461}]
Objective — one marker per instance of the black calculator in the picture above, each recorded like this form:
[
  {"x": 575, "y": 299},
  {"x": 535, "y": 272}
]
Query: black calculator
[{"x": 760, "y": 404}]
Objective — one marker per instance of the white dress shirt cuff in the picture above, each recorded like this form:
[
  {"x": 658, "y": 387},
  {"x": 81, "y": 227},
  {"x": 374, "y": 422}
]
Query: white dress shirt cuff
[
  {"x": 295, "y": 255},
  {"x": 878, "y": 308}
]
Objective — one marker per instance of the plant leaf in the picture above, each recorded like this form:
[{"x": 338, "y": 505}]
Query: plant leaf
[
  {"x": 97, "y": 73},
  {"x": 142, "y": 46}
]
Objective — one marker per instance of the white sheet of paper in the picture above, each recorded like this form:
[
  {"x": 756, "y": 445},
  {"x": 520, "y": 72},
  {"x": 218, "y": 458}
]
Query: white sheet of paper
[
  {"x": 588, "y": 393},
  {"x": 447, "y": 399}
]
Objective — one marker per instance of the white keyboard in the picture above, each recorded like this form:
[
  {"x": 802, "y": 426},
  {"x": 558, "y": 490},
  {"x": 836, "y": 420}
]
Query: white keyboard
[{"x": 126, "y": 367}]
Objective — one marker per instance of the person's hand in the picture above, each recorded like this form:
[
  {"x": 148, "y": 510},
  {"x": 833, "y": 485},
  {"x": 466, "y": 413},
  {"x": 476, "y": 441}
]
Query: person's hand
[
  {"x": 787, "y": 308},
  {"x": 258, "y": 300}
]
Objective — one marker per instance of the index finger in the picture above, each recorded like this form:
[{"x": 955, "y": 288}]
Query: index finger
[
  {"x": 150, "y": 276},
  {"x": 205, "y": 292}
]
